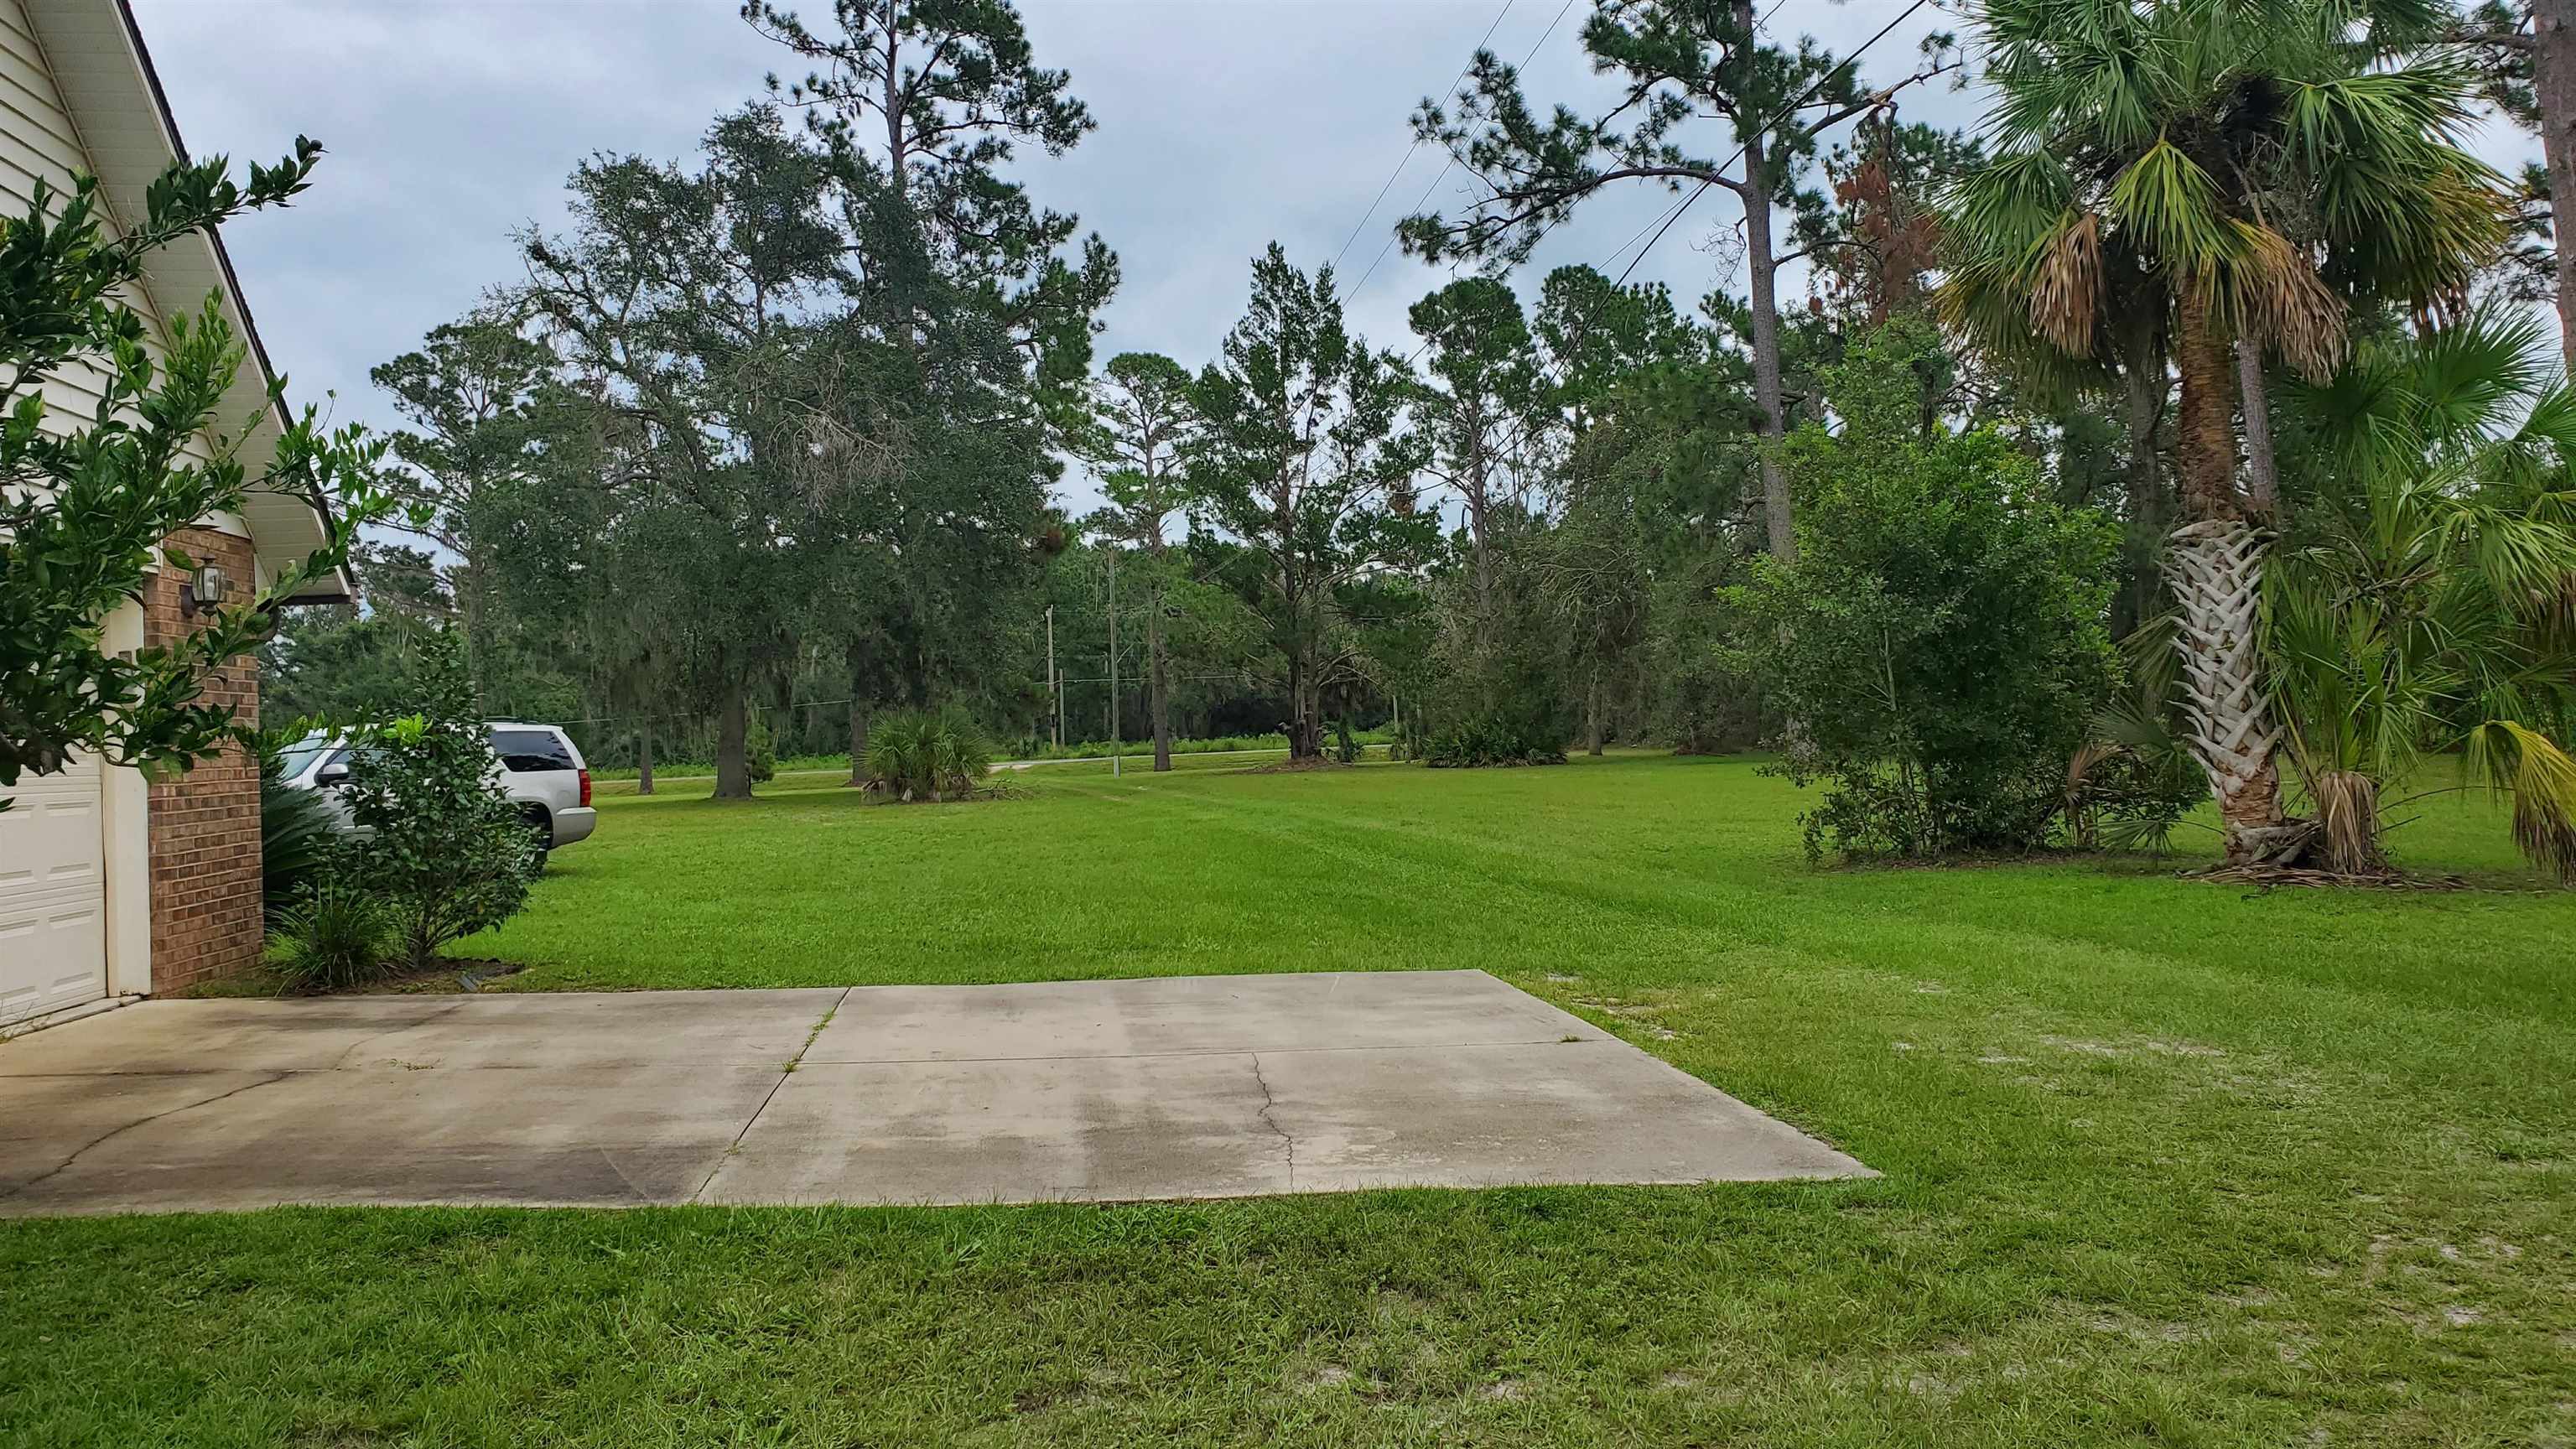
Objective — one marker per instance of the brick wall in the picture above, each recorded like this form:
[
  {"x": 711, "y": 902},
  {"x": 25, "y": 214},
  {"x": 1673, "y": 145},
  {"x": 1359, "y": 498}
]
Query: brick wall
[{"x": 205, "y": 824}]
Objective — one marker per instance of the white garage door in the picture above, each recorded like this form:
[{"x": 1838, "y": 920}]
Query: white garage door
[{"x": 53, "y": 895}]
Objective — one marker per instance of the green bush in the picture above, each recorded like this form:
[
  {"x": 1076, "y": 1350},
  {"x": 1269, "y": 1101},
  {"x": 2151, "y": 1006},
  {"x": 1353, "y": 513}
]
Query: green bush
[
  {"x": 1492, "y": 740},
  {"x": 927, "y": 754},
  {"x": 1504, "y": 694},
  {"x": 1939, "y": 647},
  {"x": 298, "y": 839},
  {"x": 760, "y": 752},
  {"x": 449, "y": 854},
  {"x": 333, "y": 937}
]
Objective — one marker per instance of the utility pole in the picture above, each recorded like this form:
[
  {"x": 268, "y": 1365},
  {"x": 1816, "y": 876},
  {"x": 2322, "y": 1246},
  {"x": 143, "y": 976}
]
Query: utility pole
[
  {"x": 1114, "y": 762},
  {"x": 1055, "y": 686}
]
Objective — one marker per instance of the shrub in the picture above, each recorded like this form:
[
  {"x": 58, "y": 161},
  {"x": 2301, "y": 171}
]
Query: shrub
[
  {"x": 1702, "y": 697},
  {"x": 927, "y": 754},
  {"x": 1939, "y": 647},
  {"x": 760, "y": 751},
  {"x": 1491, "y": 741},
  {"x": 1504, "y": 693},
  {"x": 449, "y": 854},
  {"x": 334, "y": 936},
  {"x": 298, "y": 838},
  {"x": 2135, "y": 779}
]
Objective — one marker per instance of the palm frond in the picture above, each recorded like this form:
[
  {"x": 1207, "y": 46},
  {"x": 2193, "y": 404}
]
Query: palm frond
[
  {"x": 2528, "y": 767},
  {"x": 2268, "y": 290},
  {"x": 2172, "y": 202},
  {"x": 2066, "y": 284}
]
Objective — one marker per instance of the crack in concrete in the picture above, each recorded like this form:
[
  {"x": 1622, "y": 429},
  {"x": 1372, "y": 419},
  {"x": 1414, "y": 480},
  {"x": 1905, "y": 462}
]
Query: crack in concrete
[
  {"x": 113, "y": 1133},
  {"x": 372, "y": 1038},
  {"x": 784, "y": 1073},
  {"x": 1286, "y": 1138}
]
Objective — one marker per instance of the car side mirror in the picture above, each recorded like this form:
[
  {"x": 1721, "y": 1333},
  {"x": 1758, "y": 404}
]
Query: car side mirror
[{"x": 330, "y": 775}]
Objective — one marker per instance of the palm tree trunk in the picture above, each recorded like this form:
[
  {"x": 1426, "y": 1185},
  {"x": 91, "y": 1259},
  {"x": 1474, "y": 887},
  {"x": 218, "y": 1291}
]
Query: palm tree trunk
[
  {"x": 644, "y": 758},
  {"x": 2215, "y": 564},
  {"x": 2142, "y": 376}
]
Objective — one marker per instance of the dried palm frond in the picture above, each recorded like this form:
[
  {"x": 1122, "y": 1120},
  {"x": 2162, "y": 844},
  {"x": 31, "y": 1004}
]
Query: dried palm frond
[
  {"x": 2271, "y": 292},
  {"x": 2347, "y": 804},
  {"x": 2066, "y": 284}
]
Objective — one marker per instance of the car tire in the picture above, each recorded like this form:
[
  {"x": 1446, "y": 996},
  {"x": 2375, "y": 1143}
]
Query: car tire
[{"x": 544, "y": 831}]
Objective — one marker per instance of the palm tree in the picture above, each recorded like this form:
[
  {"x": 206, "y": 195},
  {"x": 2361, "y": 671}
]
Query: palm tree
[
  {"x": 2428, "y": 604},
  {"x": 2259, "y": 165}
]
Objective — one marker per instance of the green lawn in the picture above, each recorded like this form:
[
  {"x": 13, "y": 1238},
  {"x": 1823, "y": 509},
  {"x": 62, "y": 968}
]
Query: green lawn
[{"x": 2165, "y": 1162}]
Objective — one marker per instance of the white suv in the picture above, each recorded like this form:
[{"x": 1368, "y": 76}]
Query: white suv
[
  {"x": 538, "y": 765},
  {"x": 544, "y": 773}
]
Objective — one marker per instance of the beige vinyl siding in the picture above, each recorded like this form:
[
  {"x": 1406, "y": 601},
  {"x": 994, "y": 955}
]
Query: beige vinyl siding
[{"x": 38, "y": 139}]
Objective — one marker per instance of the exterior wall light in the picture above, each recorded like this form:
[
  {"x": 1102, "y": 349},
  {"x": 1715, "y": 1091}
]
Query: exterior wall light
[{"x": 203, "y": 592}]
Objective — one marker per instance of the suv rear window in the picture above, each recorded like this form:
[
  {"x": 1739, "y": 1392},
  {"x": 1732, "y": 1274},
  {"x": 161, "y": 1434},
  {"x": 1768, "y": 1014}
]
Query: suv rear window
[{"x": 525, "y": 750}]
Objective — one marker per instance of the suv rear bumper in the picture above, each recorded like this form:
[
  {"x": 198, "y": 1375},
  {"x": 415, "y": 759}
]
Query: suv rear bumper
[{"x": 574, "y": 824}]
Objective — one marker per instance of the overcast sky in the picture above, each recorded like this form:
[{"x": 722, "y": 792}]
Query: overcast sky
[{"x": 1223, "y": 124}]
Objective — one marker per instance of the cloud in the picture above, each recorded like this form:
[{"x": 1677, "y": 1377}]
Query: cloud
[{"x": 1223, "y": 124}]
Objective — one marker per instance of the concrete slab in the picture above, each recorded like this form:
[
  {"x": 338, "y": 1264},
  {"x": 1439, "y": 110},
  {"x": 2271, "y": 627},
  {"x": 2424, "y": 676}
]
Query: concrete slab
[
  {"x": 46, "y": 1121},
  {"x": 177, "y": 1037},
  {"x": 290, "y": 1034},
  {"x": 536, "y": 1136},
  {"x": 1170, "y": 1088},
  {"x": 1075, "y": 1129},
  {"x": 1175, "y": 1014},
  {"x": 1476, "y": 1116},
  {"x": 599, "y": 1030}
]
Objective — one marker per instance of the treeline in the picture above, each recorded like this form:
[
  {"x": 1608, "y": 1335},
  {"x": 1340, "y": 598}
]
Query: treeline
[{"x": 2124, "y": 464}]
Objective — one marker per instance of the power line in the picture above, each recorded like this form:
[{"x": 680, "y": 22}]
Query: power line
[
  {"x": 1357, "y": 226},
  {"x": 1452, "y": 163},
  {"x": 1791, "y": 110}
]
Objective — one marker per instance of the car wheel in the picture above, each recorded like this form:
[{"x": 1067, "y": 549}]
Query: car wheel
[{"x": 544, "y": 832}]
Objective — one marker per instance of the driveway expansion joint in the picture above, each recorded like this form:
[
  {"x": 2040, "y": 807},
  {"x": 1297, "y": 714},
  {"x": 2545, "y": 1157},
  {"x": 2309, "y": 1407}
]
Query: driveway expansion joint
[
  {"x": 784, "y": 1073},
  {"x": 1214, "y": 1051}
]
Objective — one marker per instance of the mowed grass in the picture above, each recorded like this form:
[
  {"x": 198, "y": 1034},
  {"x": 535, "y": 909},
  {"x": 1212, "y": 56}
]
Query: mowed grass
[{"x": 2165, "y": 1162}]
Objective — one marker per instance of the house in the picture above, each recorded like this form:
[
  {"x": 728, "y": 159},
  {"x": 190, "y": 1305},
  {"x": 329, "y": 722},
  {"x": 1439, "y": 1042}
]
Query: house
[{"x": 112, "y": 888}]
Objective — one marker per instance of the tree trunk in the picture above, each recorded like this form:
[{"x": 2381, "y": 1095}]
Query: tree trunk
[
  {"x": 1593, "y": 726},
  {"x": 2215, "y": 564},
  {"x": 1304, "y": 738},
  {"x": 733, "y": 762},
  {"x": 2262, "y": 477},
  {"x": 2553, "y": 74},
  {"x": 1760, "y": 272},
  {"x": 644, "y": 758},
  {"x": 472, "y": 598},
  {"x": 2143, "y": 386},
  {"x": 1158, "y": 666},
  {"x": 854, "y": 662},
  {"x": 1477, "y": 483}
]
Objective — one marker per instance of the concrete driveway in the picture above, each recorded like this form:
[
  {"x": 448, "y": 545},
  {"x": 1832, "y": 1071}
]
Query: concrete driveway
[{"x": 1100, "y": 1090}]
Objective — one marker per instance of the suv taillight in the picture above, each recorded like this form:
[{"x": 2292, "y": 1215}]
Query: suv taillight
[{"x": 585, "y": 787}]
